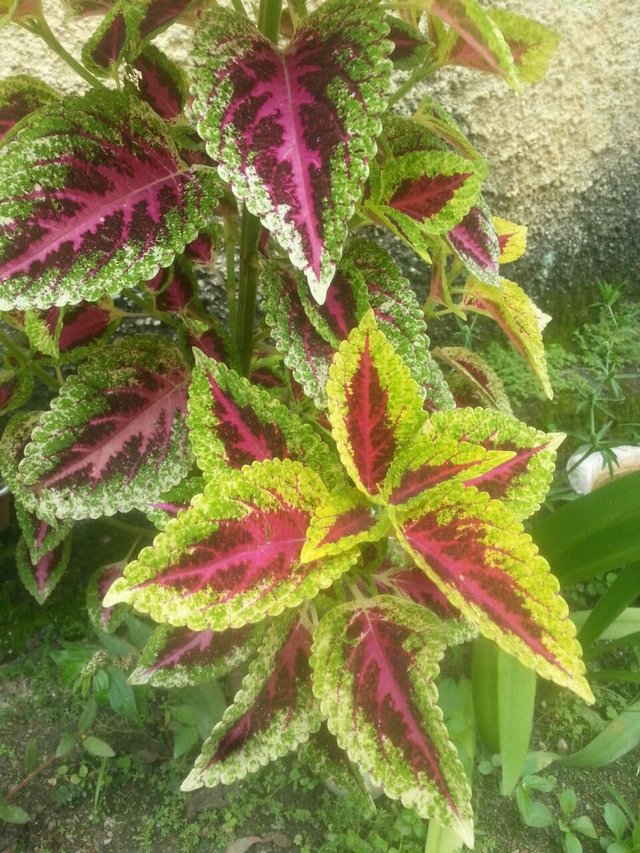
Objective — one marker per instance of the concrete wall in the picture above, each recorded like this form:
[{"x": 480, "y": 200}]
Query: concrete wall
[{"x": 564, "y": 155}]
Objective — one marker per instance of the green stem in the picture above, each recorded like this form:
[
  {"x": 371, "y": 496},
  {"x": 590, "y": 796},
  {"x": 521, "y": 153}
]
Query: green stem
[
  {"x": 41, "y": 28},
  {"x": 238, "y": 6},
  {"x": 23, "y": 358},
  {"x": 269, "y": 18},
  {"x": 230, "y": 251},
  {"x": 419, "y": 74},
  {"x": 269, "y": 25},
  {"x": 247, "y": 287}
]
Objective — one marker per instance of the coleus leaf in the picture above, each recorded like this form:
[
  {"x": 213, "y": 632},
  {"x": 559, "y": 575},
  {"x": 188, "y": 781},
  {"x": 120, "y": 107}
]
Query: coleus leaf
[
  {"x": 475, "y": 371},
  {"x": 366, "y": 277},
  {"x": 423, "y": 194},
  {"x": 293, "y": 131},
  {"x": 531, "y": 43},
  {"x": 108, "y": 45},
  {"x": 176, "y": 657},
  {"x": 85, "y": 8},
  {"x": 234, "y": 423},
  {"x": 171, "y": 502},
  {"x": 15, "y": 438},
  {"x": 475, "y": 242},
  {"x": 15, "y": 389},
  {"x": 106, "y": 619},
  {"x": 116, "y": 436},
  {"x": 374, "y": 667},
  {"x": 412, "y": 583},
  {"x": 272, "y": 715},
  {"x": 517, "y": 316},
  {"x": 512, "y": 239},
  {"x": 19, "y": 97},
  {"x": 18, "y": 11},
  {"x": 479, "y": 38},
  {"x": 83, "y": 325},
  {"x": 162, "y": 84},
  {"x": 475, "y": 552},
  {"x": 93, "y": 198},
  {"x": 522, "y": 479},
  {"x": 233, "y": 557},
  {"x": 39, "y": 536},
  {"x": 410, "y": 46},
  {"x": 374, "y": 405},
  {"x": 40, "y": 577},
  {"x": 345, "y": 520},
  {"x": 435, "y": 457}
]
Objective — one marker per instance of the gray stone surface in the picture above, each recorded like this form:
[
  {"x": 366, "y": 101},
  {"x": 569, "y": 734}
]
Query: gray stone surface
[{"x": 564, "y": 154}]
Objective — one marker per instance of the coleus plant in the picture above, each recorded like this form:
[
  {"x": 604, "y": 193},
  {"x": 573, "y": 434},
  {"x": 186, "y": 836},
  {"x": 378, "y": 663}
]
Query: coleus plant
[{"x": 329, "y": 518}]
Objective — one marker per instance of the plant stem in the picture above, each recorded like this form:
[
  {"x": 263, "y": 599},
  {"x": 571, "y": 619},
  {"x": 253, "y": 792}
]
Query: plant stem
[
  {"x": 21, "y": 356},
  {"x": 269, "y": 24},
  {"x": 419, "y": 74},
  {"x": 41, "y": 28},
  {"x": 269, "y": 18},
  {"x": 230, "y": 250},
  {"x": 12, "y": 793}
]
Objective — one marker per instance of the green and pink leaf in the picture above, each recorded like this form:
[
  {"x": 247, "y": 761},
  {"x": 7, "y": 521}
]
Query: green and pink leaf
[
  {"x": 346, "y": 520},
  {"x": 476, "y": 553},
  {"x": 272, "y": 715},
  {"x": 374, "y": 670},
  {"x": 94, "y": 198},
  {"x": 233, "y": 557},
  {"x": 518, "y": 317},
  {"x": 177, "y": 657},
  {"x": 374, "y": 405},
  {"x": 234, "y": 423},
  {"x": 523, "y": 458},
  {"x": 116, "y": 436},
  {"x": 294, "y": 131}
]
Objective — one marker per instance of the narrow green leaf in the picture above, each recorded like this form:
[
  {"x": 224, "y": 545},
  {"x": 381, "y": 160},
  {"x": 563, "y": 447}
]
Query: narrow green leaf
[
  {"x": 595, "y": 533},
  {"x": 516, "y": 702},
  {"x": 484, "y": 684},
  {"x": 622, "y": 592},
  {"x": 620, "y": 736},
  {"x": 616, "y": 820}
]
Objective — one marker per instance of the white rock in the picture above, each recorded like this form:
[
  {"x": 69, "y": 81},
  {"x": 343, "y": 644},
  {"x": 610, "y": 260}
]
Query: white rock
[{"x": 593, "y": 471}]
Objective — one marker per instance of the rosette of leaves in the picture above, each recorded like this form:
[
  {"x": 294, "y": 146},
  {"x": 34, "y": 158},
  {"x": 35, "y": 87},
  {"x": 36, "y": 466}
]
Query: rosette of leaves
[{"x": 301, "y": 537}]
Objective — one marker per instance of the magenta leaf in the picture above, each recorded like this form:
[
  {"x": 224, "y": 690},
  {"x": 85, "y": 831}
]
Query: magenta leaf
[
  {"x": 234, "y": 423},
  {"x": 84, "y": 324},
  {"x": 305, "y": 351},
  {"x": 234, "y": 556},
  {"x": 522, "y": 457},
  {"x": 103, "y": 201},
  {"x": 293, "y": 131},
  {"x": 175, "y": 657},
  {"x": 272, "y": 714},
  {"x": 475, "y": 242},
  {"x": 106, "y": 619},
  {"x": 308, "y": 334},
  {"x": 41, "y": 576},
  {"x": 374, "y": 668},
  {"x": 414, "y": 584},
  {"x": 116, "y": 437},
  {"x": 161, "y": 83},
  {"x": 20, "y": 96},
  {"x": 410, "y": 47},
  {"x": 39, "y": 536},
  {"x": 475, "y": 552}
]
